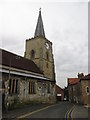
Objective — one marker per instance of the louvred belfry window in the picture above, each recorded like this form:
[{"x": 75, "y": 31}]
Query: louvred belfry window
[{"x": 32, "y": 54}]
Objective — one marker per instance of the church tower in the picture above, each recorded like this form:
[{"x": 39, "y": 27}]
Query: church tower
[{"x": 39, "y": 50}]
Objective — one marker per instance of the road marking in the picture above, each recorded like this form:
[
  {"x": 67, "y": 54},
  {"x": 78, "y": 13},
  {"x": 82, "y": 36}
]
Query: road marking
[
  {"x": 68, "y": 112},
  {"x": 72, "y": 112},
  {"x": 38, "y": 110}
]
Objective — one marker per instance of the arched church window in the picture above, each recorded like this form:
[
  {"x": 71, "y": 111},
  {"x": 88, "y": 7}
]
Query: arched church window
[
  {"x": 47, "y": 55},
  {"x": 32, "y": 54}
]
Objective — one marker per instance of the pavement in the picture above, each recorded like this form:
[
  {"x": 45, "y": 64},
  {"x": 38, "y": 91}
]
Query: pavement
[
  {"x": 87, "y": 106},
  {"x": 12, "y": 114},
  {"x": 80, "y": 111}
]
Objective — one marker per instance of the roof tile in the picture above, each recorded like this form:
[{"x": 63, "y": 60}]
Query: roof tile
[
  {"x": 72, "y": 81},
  {"x": 13, "y": 60}
]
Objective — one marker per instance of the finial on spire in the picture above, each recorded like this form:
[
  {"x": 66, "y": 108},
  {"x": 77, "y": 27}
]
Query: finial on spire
[{"x": 39, "y": 9}]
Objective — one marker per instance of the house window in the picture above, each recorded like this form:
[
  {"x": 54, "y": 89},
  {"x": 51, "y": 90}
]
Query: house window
[
  {"x": 31, "y": 87},
  {"x": 32, "y": 54}
]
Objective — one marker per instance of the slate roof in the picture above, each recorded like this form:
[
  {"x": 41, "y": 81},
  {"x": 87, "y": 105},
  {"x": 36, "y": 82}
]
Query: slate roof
[
  {"x": 16, "y": 61},
  {"x": 72, "y": 81},
  {"x": 39, "y": 27}
]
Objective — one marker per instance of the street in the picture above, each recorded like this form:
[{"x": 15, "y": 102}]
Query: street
[
  {"x": 59, "y": 110},
  {"x": 55, "y": 111}
]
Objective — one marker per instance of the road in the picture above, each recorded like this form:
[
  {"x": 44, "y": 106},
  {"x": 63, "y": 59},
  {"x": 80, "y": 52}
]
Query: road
[
  {"x": 53, "y": 111},
  {"x": 59, "y": 110}
]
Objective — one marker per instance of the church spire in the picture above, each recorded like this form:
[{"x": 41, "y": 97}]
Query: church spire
[{"x": 39, "y": 28}]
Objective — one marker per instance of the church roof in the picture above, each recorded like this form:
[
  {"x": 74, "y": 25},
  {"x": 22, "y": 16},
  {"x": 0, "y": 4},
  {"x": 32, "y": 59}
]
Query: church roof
[
  {"x": 39, "y": 27},
  {"x": 15, "y": 61}
]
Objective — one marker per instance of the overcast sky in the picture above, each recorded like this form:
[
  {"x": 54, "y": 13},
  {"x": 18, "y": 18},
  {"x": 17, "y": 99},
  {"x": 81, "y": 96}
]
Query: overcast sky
[{"x": 65, "y": 25}]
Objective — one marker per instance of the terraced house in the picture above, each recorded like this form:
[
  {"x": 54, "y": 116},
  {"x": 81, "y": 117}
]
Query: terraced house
[
  {"x": 79, "y": 89},
  {"x": 32, "y": 77}
]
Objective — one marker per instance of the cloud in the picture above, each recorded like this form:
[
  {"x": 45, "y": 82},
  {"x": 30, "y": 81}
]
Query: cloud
[{"x": 66, "y": 26}]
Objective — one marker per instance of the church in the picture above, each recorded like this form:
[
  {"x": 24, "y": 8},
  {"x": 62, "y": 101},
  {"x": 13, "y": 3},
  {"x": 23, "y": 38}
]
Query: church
[{"x": 32, "y": 77}]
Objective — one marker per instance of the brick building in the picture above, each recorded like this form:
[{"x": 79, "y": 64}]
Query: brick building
[
  {"x": 79, "y": 89},
  {"x": 74, "y": 89},
  {"x": 59, "y": 93}
]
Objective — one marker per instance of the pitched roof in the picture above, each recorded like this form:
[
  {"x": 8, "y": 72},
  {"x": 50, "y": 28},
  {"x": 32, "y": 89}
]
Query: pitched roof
[
  {"x": 39, "y": 28},
  {"x": 15, "y": 61},
  {"x": 72, "y": 81},
  {"x": 58, "y": 89}
]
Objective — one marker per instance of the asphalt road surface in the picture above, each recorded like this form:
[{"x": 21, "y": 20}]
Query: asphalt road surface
[
  {"x": 59, "y": 110},
  {"x": 55, "y": 111}
]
